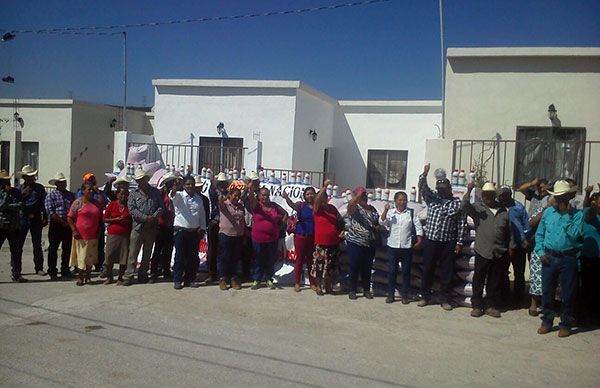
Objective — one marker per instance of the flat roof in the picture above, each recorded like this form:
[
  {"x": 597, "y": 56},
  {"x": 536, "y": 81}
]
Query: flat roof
[
  {"x": 460, "y": 52},
  {"x": 226, "y": 83},
  {"x": 34, "y": 101},
  {"x": 401, "y": 103}
]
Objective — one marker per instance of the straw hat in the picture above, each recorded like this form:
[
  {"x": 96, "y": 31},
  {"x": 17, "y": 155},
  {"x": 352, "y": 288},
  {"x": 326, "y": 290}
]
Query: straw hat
[
  {"x": 562, "y": 187},
  {"x": 140, "y": 174},
  {"x": 4, "y": 174},
  {"x": 222, "y": 177},
  {"x": 488, "y": 186},
  {"x": 168, "y": 177},
  {"x": 198, "y": 180},
  {"x": 59, "y": 177},
  {"x": 253, "y": 176},
  {"x": 123, "y": 178},
  {"x": 28, "y": 170}
]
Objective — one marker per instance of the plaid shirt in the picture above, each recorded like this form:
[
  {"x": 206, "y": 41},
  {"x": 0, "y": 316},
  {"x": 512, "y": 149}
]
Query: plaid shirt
[
  {"x": 445, "y": 220},
  {"x": 59, "y": 202},
  {"x": 143, "y": 205}
]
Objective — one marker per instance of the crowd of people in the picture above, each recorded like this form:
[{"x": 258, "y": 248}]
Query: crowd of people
[{"x": 560, "y": 240}]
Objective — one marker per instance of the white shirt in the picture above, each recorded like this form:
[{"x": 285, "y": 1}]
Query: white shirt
[
  {"x": 400, "y": 226},
  {"x": 189, "y": 211}
]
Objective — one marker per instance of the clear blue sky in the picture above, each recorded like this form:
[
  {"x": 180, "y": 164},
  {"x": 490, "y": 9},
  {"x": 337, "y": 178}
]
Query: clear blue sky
[{"x": 382, "y": 51}]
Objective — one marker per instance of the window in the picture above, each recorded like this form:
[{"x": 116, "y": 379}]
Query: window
[
  {"x": 551, "y": 153},
  {"x": 386, "y": 169},
  {"x": 30, "y": 154}
]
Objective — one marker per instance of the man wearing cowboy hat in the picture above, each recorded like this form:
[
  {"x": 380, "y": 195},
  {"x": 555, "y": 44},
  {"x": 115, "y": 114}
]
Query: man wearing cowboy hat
[
  {"x": 218, "y": 186},
  {"x": 145, "y": 205},
  {"x": 34, "y": 216},
  {"x": 57, "y": 205},
  {"x": 494, "y": 243},
  {"x": 444, "y": 234},
  {"x": 557, "y": 244},
  {"x": 10, "y": 209},
  {"x": 163, "y": 246}
]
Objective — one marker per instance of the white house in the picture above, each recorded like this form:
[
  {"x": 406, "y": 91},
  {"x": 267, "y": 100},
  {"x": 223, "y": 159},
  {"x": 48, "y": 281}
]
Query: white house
[{"x": 69, "y": 136}]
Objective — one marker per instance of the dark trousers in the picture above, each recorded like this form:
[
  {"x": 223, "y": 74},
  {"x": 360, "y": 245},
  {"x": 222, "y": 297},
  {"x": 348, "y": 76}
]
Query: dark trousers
[
  {"x": 33, "y": 226},
  {"x": 101, "y": 244},
  {"x": 565, "y": 269},
  {"x": 438, "y": 253},
  {"x": 59, "y": 235},
  {"x": 213, "y": 248},
  {"x": 489, "y": 273},
  {"x": 163, "y": 250},
  {"x": 589, "y": 294},
  {"x": 304, "y": 247},
  {"x": 186, "y": 262},
  {"x": 517, "y": 261},
  {"x": 264, "y": 260},
  {"x": 361, "y": 263},
  {"x": 404, "y": 256},
  {"x": 16, "y": 249},
  {"x": 247, "y": 254},
  {"x": 230, "y": 252}
]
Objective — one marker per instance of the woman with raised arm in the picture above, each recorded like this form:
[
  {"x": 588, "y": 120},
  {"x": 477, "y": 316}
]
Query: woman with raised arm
[
  {"x": 267, "y": 218},
  {"x": 328, "y": 227},
  {"x": 304, "y": 236},
  {"x": 232, "y": 226}
]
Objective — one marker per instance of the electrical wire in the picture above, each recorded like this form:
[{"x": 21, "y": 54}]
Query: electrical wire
[{"x": 97, "y": 30}]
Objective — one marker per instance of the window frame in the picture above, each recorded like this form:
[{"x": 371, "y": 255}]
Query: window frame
[{"x": 403, "y": 158}]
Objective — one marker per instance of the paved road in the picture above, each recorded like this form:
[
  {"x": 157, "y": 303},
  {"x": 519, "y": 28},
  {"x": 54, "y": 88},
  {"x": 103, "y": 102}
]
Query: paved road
[{"x": 57, "y": 334}]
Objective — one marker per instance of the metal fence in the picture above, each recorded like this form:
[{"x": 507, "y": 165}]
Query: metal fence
[
  {"x": 314, "y": 178},
  {"x": 512, "y": 162},
  {"x": 182, "y": 155}
]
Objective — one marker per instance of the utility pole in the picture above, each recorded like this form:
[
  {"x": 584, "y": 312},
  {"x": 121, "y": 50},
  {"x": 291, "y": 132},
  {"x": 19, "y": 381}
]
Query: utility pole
[
  {"x": 441, "y": 4},
  {"x": 124, "y": 121}
]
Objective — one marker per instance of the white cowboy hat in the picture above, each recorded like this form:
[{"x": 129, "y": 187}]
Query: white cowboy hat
[
  {"x": 561, "y": 188},
  {"x": 59, "y": 177},
  {"x": 140, "y": 174},
  {"x": 28, "y": 170},
  {"x": 122, "y": 178},
  {"x": 4, "y": 174},
  {"x": 199, "y": 181},
  {"x": 168, "y": 177},
  {"x": 488, "y": 186},
  {"x": 222, "y": 177},
  {"x": 253, "y": 176}
]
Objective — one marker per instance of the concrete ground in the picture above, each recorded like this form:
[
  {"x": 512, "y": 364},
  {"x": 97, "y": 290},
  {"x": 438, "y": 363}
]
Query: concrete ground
[{"x": 57, "y": 334}]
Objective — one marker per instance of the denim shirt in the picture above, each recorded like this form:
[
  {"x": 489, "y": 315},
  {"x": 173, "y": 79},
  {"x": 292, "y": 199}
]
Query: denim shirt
[{"x": 519, "y": 222}]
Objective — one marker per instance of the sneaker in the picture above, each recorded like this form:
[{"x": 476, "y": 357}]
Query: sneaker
[
  {"x": 389, "y": 299},
  {"x": 405, "y": 300},
  {"x": 352, "y": 295},
  {"x": 423, "y": 303},
  {"x": 447, "y": 306},
  {"x": 476, "y": 313},
  {"x": 368, "y": 294},
  {"x": 562, "y": 333},
  {"x": 271, "y": 285},
  {"x": 492, "y": 312},
  {"x": 18, "y": 279},
  {"x": 178, "y": 286},
  {"x": 254, "y": 285},
  {"x": 544, "y": 329},
  {"x": 41, "y": 273},
  {"x": 222, "y": 285},
  {"x": 103, "y": 273}
]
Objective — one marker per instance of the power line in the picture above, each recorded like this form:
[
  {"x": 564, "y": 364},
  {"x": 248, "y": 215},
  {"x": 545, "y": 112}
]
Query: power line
[{"x": 97, "y": 30}]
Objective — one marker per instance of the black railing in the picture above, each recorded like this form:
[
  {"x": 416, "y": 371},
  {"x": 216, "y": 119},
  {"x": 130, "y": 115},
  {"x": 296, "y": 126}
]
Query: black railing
[{"x": 512, "y": 162}]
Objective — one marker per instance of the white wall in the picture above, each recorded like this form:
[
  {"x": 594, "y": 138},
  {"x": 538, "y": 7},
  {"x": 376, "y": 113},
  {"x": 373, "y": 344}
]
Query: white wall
[
  {"x": 379, "y": 127},
  {"x": 316, "y": 113},
  {"x": 180, "y": 111},
  {"x": 47, "y": 122}
]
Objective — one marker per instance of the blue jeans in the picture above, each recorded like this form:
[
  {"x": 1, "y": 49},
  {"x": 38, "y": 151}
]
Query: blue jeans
[
  {"x": 230, "y": 252},
  {"x": 564, "y": 268},
  {"x": 361, "y": 263},
  {"x": 395, "y": 255},
  {"x": 186, "y": 263},
  {"x": 35, "y": 227},
  {"x": 264, "y": 260}
]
